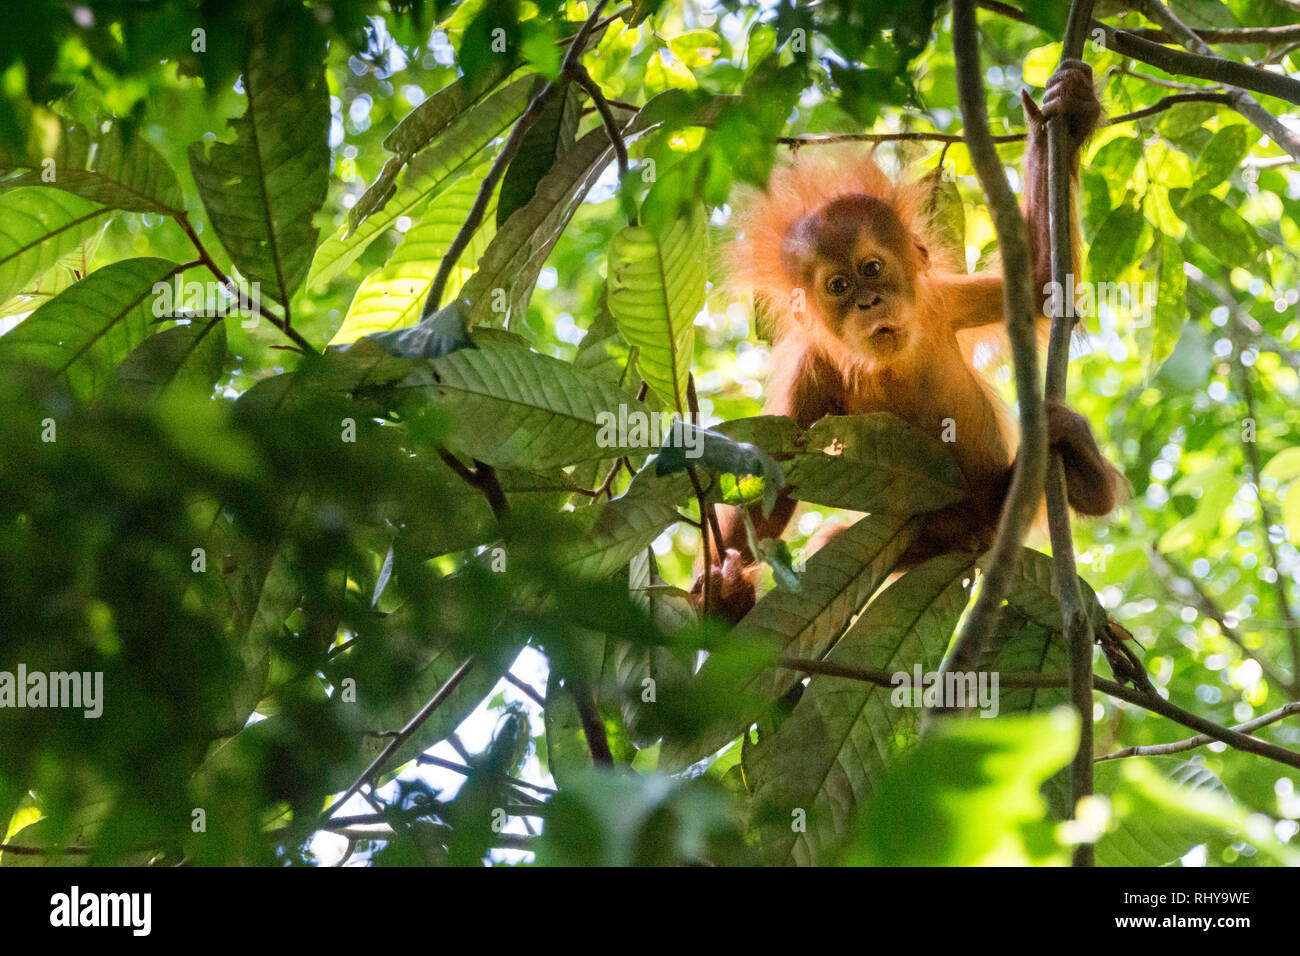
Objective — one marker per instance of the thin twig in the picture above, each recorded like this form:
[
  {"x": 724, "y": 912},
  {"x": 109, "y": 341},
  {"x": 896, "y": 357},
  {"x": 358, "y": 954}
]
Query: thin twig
[
  {"x": 885, "y": 678},
  {"x": 593, "y": 728},
  {"x": 1164, "y": 103},
  {"x": 1200, "y": 740},
  {"x": 572, "y": 57},
  {"x": 527, "y": 688},
  {"x": 584, "y": 79},
  {"x": 183, "y": 220},
  {"x": 434, "y": 761},
  {"x": 403, "y": 735},
  {"x": 1157, "y": 704},
  {"x": 1287, "y": 33}
]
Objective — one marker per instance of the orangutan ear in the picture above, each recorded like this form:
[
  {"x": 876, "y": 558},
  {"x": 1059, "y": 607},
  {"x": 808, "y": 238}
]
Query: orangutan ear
[{"x": 922, "y": 255}]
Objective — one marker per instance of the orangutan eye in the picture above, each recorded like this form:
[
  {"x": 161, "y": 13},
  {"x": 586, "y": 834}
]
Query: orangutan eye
[
  {"x": 871, "y": 268},
  {"x": 837, "y": 285}
]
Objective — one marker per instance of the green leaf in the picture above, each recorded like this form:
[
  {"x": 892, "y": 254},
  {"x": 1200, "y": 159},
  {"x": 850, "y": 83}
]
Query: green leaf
[
  {"x": 836, "y": 584},
  {"x": 778, "y": 435},
  {"x": 544, "y": 145},
  {"x": 440, "y": 334},
  {"x": 1033, "y": 592},
  {"x": 875, "y": 462},
  {"x": 667, "y": 670},
  {"x": 190, "y": 356},
  {"x": 656, "y": 287},
  {"x": 513, "y": 407},
  {"x": 84, "y": 332},
  {"x": 968, "y": 795},
  {"x": 66, "y": 272},
  {"x": 503, "y": 284},
  {"x": 612, "y": 534},
  {"x": 417, "y": 129},
  {"x": 947, "y": 212},
  {"x": 119, "y": 172},
  {"x": 1170, "y": 313},
  {"x": 831, "y": 753},
  {"x": 603, "y": 818},
  {"x": 1221, "y": 156},
  {"x": 1284, "y": 466},
  {"x": 1221, "y": 230},
  {"x": 1022, "y": 646},
  {"x": 1115, "y": 246},
  {"x": 454, "y": 152},
  {"x": 262, "y": 190},
  {"x": 1047, "y": 14},
  {"x": 41, "y": 226},
  {"x": 392, "y": 297},
  {"x": 1164, "y": 807}
]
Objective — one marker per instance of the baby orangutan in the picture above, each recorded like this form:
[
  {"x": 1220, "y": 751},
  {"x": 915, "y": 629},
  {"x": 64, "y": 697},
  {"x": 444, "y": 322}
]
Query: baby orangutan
[{"x": 869, "y": 318}]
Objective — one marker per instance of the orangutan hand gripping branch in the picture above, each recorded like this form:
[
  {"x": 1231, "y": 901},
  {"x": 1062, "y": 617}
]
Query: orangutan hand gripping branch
[{"x": 871, "y": 318}]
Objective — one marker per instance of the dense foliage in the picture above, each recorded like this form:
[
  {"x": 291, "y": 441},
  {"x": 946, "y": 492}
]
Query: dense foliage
[{"x": 305, "y": 541}]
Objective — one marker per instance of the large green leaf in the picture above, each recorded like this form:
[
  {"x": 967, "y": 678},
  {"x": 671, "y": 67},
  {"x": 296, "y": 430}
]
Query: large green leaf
[
  {"x": 513, "y": 407},
  {"x": 188, "y": 356},
  {"x": 503, "y": 284},
  {"x": 647, "y": 672},
  {"x": 656, "y": 287},
  {"x": 66, "y": 272},
  {"x": 118, "y": 170},
  {"x": 454, "y": 152},
  {"x": 839, "y": 580},
  {"x": 1221, "y": 230},
  {"x": 875, "y": 463},
  {"x": 1165, "y": 807},
  {"x": 968, "y": 795},
  {"x": 1034, "y": 590},
  {"x": 830, "y": 754},
  {"x": 416, "y": 130},
  {"x": 613, "y": 533},
  {"x": 392, "y": 296},
  {"x": 1221, "y": 156},
  {"x": 544, "y": 145},
  {"x": 41, "y": 226},
  {"x": 1115, "y": 246},
  {"x": 1170, "y": 314},
  {"x": 262, "y": 190},
  {"x": 85, "y": 331}
]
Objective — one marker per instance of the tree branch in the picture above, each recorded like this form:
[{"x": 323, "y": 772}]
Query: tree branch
[
  {"x": 1200, "y": 740},
  {"x": 1019, "y": 306},
  {"x": 402, "y": 736},
  {"x": 1233, "y": 737},
  {"x": 1164, "y": 103},
  {"x": 483, "y": 477},
  {"x": 183, "y": 220},
  {"x": 1269, "y": 36},
  {"x": 1234, "y": 74},
  {"x": 1074, "y": 619}
]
